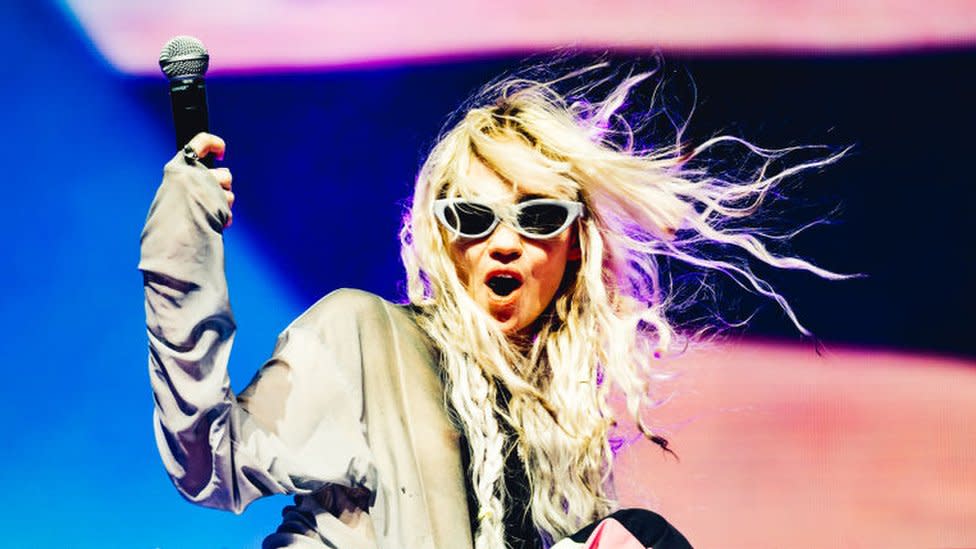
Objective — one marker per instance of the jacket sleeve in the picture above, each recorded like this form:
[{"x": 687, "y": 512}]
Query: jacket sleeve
[{"x": 298, "y": 426}]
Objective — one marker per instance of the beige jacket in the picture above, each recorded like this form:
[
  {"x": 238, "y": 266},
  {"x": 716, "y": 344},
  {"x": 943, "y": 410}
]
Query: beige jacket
[{"x": 350, "y": 402}]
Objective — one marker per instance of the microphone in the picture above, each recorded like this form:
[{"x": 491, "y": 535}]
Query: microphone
[{"x": 184, "y": 60}]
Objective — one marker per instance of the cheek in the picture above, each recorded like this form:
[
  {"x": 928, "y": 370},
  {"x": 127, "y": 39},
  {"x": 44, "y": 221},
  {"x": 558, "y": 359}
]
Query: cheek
[
  {"x": 464, "y": 256},
  {"x": 550, "y": 268}
]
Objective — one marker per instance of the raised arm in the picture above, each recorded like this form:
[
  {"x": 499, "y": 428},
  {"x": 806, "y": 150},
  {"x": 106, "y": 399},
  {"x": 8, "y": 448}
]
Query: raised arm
[{"x": 298, "y": 425}]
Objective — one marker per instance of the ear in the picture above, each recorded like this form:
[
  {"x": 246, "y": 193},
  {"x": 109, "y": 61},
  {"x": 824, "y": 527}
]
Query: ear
[{"x": 575, "y": 253}]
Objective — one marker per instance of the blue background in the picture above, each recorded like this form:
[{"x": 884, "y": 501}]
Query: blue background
[{"x": 322, "y": 164}]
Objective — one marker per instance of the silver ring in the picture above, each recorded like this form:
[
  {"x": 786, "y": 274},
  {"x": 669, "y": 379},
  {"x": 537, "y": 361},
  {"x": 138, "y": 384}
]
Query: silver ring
[{"x": 190, "y": 155}]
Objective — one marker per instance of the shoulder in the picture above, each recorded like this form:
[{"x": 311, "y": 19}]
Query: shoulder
[
  {"x": 353, "y": 307},
  {"x": 350, "y": 322},
  {"x": 348, "y": 299}
]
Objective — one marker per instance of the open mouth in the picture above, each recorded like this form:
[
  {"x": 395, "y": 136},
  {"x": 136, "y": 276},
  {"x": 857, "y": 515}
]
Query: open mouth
[{"x": 503, "y": 284}]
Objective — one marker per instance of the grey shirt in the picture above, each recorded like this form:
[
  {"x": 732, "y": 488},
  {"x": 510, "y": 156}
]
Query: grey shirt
[{"x": 348, "y": 414}]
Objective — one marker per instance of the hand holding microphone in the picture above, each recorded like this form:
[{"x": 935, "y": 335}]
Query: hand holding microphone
[
  {"x": 184, "y": 60},
  {"x": 205, "y": 147}
]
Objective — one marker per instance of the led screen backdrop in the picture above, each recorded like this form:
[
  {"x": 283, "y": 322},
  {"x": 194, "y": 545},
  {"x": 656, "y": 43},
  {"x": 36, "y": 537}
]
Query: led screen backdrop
[
  {"x": 276, "y": 34},
  {"x": 329, "y": 108}
]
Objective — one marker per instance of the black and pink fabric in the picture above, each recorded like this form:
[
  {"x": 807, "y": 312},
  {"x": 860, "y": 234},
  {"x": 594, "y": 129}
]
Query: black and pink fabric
[{"x": 627, "y": 529}]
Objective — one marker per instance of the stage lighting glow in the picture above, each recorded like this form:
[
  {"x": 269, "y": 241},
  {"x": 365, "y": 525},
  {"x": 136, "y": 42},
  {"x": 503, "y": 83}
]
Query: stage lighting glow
[{"x": 290, "y": 34}]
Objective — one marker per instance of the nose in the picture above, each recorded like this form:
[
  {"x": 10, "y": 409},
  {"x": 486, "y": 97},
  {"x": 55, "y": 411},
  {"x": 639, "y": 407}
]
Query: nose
[{"x": 504, "y": 244}]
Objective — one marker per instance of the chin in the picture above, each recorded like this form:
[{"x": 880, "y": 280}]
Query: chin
[
  {"x": 508, "y": 326},
  {"x": 510, "y": 317}
]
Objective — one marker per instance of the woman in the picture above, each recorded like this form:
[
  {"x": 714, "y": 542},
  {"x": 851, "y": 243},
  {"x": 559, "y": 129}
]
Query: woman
[{"x": 478, "y": 413}]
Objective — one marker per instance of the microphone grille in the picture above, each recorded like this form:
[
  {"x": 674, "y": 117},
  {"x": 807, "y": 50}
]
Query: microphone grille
[{"x": 184, "y": 56}]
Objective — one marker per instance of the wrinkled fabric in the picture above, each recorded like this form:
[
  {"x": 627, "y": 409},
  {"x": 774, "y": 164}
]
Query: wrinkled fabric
[{"x": 348, "y": 414}]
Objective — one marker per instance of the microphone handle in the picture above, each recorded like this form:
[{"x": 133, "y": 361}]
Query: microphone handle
[{"x": 189, "y": 98}]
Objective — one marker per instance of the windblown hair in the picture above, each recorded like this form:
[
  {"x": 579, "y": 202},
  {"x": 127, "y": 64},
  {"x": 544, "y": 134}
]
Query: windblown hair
[{"x": 609, "y": 319}]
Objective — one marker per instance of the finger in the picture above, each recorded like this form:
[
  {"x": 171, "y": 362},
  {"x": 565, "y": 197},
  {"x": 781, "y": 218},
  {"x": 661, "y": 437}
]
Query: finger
[
  {"x": 230, "y": 204},
  {"x": 205, "y": 143},
  {"x": 223, "y": 177}
]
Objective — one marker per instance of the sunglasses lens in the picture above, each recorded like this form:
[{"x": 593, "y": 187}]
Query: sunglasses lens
[
  {"x": 469, "y": 219},
  {"x": 542, "y": 219}
]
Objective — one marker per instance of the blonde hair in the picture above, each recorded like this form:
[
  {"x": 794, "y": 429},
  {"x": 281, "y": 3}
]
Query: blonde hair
[{"x": 609, "y": 318}]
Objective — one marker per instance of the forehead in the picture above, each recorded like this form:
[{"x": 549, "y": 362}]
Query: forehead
[
  {"x": 509, "y": 171},
  {"x": 480, "y": 181}
]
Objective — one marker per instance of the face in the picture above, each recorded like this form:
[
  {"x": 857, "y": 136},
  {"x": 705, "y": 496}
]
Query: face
[{"x": 491, "y": 266}]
